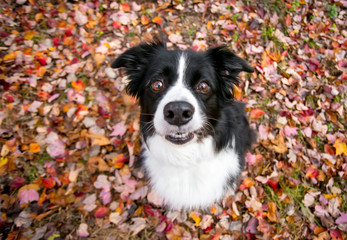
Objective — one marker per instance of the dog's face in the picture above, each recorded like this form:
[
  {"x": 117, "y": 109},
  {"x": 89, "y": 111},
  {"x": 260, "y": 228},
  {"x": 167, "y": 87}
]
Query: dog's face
[{"x": 181, "y": 93}]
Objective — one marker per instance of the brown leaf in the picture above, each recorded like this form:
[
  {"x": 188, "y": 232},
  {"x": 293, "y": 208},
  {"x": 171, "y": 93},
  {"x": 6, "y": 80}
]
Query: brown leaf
[
  {"x": 98, "y": 139},
  {"x": 97, "y": 163}
]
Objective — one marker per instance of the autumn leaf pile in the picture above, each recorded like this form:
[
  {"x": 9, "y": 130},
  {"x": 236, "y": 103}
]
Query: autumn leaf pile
[{"x": 69, "y": 133}]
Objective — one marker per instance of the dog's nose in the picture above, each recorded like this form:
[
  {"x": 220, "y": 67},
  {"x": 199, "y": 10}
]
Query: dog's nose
[{"x": 178, "y": 113}]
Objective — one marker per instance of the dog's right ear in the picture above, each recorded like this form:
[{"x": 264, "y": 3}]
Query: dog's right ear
[{"x": 135, "y": 61}]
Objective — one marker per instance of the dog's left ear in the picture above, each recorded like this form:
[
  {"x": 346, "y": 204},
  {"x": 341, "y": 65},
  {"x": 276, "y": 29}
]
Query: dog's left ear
[
  {"x": 135, "y": 61},
  {"x": 227, "y": 66}
]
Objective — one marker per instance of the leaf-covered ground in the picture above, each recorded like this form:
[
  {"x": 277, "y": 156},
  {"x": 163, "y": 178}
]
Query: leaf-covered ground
[{"x": 69, "y": 134}]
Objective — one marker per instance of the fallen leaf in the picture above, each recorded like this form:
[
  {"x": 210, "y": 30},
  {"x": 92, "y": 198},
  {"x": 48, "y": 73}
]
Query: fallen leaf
[
  {"x": 97, "y": 163},
  {"x": 98, "y": 139},
  {"x": 256, "y": 113},
  {"x": 196, "y": 217},
  {"x": 158, "y": 20},
  {"x": 137, "y": 226},
  {"x": 48, "y": 182},
  {"x": 78, "y": 85},
  {"x": 34, "y": 148},
  {"x": 82, "y": 230},
  {"x": 119, "y": 129},
  {"x": 341, "y": 147},
  {"x": 247, "y": 182},
  {"x": 101, "y": 212}
]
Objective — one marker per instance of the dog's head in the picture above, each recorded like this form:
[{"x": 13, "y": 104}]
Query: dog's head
[{"x": 181, "y": 93}]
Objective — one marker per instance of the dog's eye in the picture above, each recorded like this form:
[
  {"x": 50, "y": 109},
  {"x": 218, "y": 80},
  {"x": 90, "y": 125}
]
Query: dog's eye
[
  {"x": 203, "y": 87},
  {"x": 158, "y": 86}
]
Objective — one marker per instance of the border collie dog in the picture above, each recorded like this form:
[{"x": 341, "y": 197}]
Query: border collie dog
[{"x": 194, "y": 133}]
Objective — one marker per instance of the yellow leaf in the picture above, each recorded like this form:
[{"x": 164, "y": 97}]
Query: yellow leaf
[
  {"x": 3, "y": 161},
  {"x": 107, "y": 45},
  {"x": 34, "y": 148},
  {"x": 29, "y": 34},
  {"x": 341, "y": 147},
  {"x": 195, "y": 217}
]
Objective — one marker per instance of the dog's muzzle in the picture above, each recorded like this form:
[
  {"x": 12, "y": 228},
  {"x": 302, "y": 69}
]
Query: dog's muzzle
[{"x": 179, "y": 113}]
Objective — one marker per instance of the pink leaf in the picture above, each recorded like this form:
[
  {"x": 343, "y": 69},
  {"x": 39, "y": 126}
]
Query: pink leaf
[
  {"x": 262, "y": 179},
  {"x": 28, "y": 195},
  {"x": 34, "y": 106},
  {"x": 342, "y": 219},
  {"x": 308, "y": 132},
  {"x": 105, "y": 195},
  {"x": 80, "y": 18},
  {"x": 250, "y": 158},
  {"x": 102, "y": 182},
  {"x": 119, "y": 129},
  {"x": 57, "y": 149},
  {"x": 262, "y": 132},
  {"x": 252, "y": 226},
  {"x": 82, "y": 230},
  {"x": 139, "y": 193},
  {"x": 290, "y": 131}
]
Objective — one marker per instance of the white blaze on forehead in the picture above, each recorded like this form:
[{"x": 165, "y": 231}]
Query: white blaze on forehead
[{"x": 181, "y": 69}]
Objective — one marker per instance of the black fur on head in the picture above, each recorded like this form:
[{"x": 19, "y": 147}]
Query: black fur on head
[
  {"x": 227, "y": 67},
  {"x": 135, "y": 61}
]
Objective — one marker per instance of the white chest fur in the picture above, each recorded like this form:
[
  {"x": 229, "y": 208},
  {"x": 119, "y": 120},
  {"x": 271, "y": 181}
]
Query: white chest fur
[{"x": 189, "y": 176}]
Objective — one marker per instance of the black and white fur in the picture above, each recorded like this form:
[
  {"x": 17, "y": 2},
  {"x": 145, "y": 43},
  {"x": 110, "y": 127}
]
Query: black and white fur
[{"x": 194, "y": 133}]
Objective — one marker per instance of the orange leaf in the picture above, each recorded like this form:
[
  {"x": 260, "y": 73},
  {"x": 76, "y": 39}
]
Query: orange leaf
[
  {"x": 144, "y": 20},
  {"x": 77, "y": 85},
  {"x": 341, "y": 147},
  {"x": 125, "y": 7},
  {"x": 10, "y": 56},
  {"x": 256, "y": 113},
  {"x": 247, "y": 182},
  {"x": 118, "y": 161},
  {"x": 34, "y": 148},
  {"x": 271, "y": 212},
  {"x": 237, "y": 93},
  {"x": 41, "y": 71},
  {"x": 48, "y": 182},
  {"x": 158, "y": 20}
]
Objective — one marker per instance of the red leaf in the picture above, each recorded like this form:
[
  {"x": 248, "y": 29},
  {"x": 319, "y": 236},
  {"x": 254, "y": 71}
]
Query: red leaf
[
  {"x": 116, "y": 25},
  {"x": 17, "y": 182},
  {"x": 125, "y": 7},
  {"x": 335, "y": 234},
  {"x": 48, "y": 182},
  {"x": 101, "y": 212},
  {"x": 42, "y": 61},
  {"x": 312, "y": 172},
  {"x": 273, "y": 183}
]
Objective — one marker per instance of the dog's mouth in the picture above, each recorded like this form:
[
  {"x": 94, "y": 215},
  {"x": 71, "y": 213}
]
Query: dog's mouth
[{"x": 179, "y": 137}]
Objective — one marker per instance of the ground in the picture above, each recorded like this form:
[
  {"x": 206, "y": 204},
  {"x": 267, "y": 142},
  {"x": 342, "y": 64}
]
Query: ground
[{"x": 69, "y": 132}]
